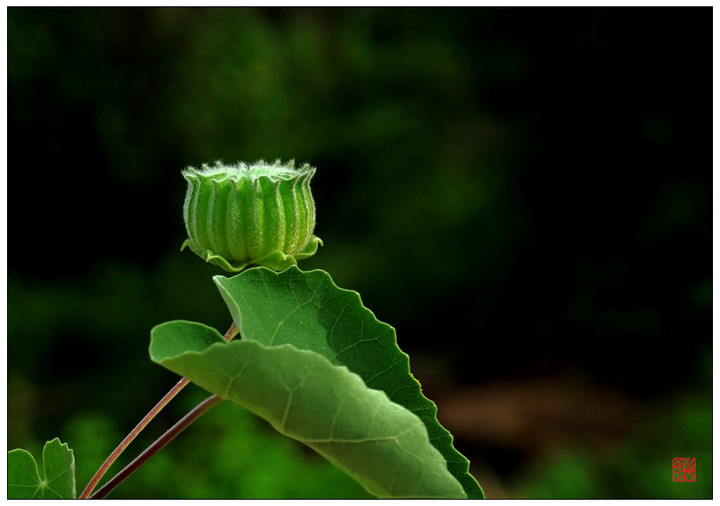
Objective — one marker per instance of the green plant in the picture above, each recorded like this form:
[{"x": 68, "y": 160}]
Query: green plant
[{"x": 312, "y": 360}]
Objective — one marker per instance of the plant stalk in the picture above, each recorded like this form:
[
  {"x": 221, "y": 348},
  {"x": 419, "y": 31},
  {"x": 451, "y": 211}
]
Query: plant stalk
[
  {"x": 231, "y": 333},
  {"x": 157, "y": 445}
]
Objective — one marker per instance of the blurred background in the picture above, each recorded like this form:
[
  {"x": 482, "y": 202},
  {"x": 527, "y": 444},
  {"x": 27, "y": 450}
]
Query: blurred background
[{"x": 523, "y": 193}]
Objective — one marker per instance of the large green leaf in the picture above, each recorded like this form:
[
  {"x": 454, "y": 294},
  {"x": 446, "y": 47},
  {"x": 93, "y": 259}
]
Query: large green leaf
[
  {"x": 381, "y": 444},
  {"x": 57, "y": 480},
  {"x": 308, "y": 311}
]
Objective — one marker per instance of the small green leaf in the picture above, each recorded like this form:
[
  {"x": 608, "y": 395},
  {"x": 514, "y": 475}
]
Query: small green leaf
[
  {"x": 181, "y": 335},
  {"x": 58, "y": 473},
  {"x": 381, "y": 444},
  {"x": 308, "y": 311}
]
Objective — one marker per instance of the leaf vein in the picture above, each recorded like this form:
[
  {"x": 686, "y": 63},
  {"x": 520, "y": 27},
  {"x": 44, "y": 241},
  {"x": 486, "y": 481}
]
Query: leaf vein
[{"x": 282, "y": 322}]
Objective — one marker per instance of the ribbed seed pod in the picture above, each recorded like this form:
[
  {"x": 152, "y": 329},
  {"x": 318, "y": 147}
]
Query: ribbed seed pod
[{"x": 258, "y": 214}]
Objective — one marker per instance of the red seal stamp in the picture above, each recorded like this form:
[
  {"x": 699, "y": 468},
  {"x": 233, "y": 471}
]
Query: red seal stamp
[{"x": 683, "y": 469}]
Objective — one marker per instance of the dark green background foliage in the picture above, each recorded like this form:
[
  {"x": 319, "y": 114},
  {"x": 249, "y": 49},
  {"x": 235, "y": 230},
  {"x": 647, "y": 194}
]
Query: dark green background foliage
[{"x": 525, "y": 194}]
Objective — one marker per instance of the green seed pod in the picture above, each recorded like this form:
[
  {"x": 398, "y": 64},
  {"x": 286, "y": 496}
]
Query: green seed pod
[{"x": 258, "y": 214}]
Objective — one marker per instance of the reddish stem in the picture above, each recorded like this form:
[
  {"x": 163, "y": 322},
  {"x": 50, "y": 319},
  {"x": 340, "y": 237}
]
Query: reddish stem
[
  {"x": 158, "y": 445},
  {"x": 232, "y": 332}
]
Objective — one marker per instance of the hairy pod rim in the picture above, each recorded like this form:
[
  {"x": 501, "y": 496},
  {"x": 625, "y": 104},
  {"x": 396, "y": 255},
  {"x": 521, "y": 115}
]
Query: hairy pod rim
[{"x": 258, "y": 214}]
